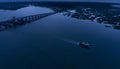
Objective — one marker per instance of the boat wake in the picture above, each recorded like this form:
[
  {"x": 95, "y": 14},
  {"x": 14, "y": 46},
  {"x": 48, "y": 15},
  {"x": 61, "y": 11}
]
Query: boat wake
[
  {"x": 78, "y": 43},
  {"x": 70, "y": 41}
]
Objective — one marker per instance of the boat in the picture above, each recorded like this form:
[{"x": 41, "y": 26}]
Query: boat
[{"x": 84, "y": 45}]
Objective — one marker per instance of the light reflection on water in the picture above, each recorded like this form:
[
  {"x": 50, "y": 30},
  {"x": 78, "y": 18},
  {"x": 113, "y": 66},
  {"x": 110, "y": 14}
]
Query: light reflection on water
[{"x": 36, "y": 43}]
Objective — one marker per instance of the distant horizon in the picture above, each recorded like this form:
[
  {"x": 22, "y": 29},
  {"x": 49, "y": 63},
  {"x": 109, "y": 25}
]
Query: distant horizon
[
  {"x": 100, "y": 1},
  {"x": 62, "y": 1}
]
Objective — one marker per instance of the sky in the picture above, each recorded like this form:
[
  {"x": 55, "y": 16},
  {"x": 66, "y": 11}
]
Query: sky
[{"x": 116, "y": 1}]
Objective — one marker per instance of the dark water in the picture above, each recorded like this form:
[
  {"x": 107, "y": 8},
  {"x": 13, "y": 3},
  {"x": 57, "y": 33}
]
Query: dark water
[{"x": 45, "y": 43}]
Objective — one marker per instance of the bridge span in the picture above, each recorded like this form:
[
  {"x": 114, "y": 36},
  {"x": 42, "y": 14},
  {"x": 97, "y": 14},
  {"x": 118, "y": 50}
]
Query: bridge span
[{"x": 22, "y": 20}]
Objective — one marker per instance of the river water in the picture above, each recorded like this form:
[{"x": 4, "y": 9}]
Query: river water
[{"x": 38, "y": 45}]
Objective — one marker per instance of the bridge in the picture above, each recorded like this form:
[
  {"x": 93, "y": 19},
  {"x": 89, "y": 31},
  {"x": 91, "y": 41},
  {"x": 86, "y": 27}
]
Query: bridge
[{"x": 22, "y": 20}]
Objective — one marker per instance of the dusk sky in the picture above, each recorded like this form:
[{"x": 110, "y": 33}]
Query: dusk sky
[{"x": 65, "y": 0}]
